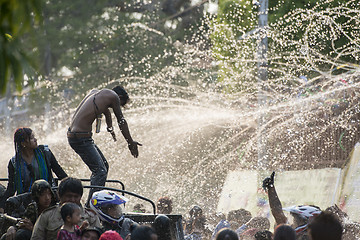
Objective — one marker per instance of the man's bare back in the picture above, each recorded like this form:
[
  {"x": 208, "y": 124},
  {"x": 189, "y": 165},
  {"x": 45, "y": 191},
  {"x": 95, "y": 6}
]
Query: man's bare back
[{"x": 97, "y": 102}]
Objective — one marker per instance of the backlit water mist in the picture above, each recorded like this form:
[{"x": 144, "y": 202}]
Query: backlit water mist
[{"x": 198, "y": 119}]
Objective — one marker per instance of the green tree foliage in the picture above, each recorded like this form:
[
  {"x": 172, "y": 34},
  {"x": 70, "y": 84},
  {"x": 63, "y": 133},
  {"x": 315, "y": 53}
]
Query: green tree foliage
[
  {"x": 306, "y": 37},
  {"x": 99, "y": 41},
  {"x": 102, "y": 41},
  {"x": 320, "y": 37},
  {"x": 17, "y": 18},
  {"x": 231, "y": 47}
]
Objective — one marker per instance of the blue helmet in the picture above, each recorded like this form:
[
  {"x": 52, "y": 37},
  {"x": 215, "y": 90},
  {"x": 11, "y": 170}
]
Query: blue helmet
[{"x": 104, "y": 200}]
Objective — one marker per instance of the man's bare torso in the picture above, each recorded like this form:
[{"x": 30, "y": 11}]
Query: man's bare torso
[{"x": 94, "y": 104}]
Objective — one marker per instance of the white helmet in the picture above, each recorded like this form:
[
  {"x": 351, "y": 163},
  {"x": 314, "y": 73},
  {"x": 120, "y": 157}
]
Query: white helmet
[
  {"x": 103, "y": 199},
  {"x": 304, "y": 211}
]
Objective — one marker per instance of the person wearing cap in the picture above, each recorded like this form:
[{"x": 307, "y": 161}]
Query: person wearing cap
[
  {"x": 108, "y": 205},
  {"x": 91, "y": 233},
  {"x": 91, "y": 109}
]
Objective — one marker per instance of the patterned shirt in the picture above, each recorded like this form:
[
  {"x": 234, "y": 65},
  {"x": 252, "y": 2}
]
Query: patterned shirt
[{"x": 65, "y": 235}]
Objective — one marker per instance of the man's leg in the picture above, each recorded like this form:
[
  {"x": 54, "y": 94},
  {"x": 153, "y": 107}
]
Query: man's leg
[{"x": 93, "y": 158}]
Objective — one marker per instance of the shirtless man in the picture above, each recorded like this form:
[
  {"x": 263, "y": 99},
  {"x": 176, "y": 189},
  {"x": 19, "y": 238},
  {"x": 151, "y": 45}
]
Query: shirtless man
[{"x": 91, "y": 108}]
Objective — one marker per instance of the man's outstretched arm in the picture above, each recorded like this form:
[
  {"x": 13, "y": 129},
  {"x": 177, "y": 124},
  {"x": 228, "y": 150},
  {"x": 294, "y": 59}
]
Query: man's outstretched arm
[
  {"x": 133, "y": 145},
  {"x": 274, "y": 201},
  {"x": 124, "y": 128}
]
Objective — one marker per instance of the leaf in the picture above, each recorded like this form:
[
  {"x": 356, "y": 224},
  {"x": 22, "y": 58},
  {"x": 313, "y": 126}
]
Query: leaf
[
  {"x": 17, "y": 72},
  {"x": 3, "y": 71}
]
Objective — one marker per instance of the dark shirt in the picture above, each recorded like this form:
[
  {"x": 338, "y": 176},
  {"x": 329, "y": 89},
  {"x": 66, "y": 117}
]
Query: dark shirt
[{"x": 124, "y": 230}]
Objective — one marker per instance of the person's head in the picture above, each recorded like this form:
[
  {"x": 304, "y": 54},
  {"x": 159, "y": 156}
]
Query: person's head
[
  {"x": 227, "y": 234},
  {"x": 70, "y": 213},
  {"x": 24, "y": 138},
  {"x": 91, "y": 233},
  {"x": 162, "y": 226},
  {"x": 263, "y": 235},
  {"x": 325, "y": 227},
  {"x": 303, "y": 214},
  {"x": 70, "y": 190},
  {"x": 108, "y": 206},
  {"x": 42, "y": 193},
  {"x": 164, "y": 205},
  {"x": 241, "y": 216},
  {"x": 139, "y": 208},
  {"x": 123, "y": 95},
  {"x": 284, "y": 232},
  {"x": 110, "y": 235},
  {"x": 195, "y": 211},
  {"x": 261, "y": 223},
  {"x": 143, "y": 233}
]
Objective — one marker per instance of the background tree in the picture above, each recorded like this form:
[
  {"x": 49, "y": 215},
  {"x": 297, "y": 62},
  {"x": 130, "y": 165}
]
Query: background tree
[
  {"x": 17, "y": 19},
  {"x": 319, "y": 37}
]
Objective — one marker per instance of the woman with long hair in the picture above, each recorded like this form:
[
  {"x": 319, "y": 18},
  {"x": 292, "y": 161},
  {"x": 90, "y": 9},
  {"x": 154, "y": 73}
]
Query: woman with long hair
[{"x": 30, "y": 163}]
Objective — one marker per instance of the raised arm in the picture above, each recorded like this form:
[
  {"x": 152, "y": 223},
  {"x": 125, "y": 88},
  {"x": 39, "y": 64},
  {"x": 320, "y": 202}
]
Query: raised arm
[{"x": 274, "y": 201}]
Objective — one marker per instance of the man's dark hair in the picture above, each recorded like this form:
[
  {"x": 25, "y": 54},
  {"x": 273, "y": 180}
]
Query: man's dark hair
[
  {"x": 67, "y": 209},
  {"x": 123, "y": 95},
  {"x": 325, "y": 227},
  {"x": 227, "y": 234},
  {"x": 284, "y": 232},
  {"x": 38, "y": 188},
  {"x": 70, "y": 184},
  {"x": 142, "y": 233}
]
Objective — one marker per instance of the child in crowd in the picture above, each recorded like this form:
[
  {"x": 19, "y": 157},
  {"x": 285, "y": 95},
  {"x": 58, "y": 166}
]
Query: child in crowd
[{"x": 71, "y": 214}]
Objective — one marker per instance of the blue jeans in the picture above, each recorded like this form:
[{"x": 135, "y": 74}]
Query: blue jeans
[{"x": 93, "y": 158}]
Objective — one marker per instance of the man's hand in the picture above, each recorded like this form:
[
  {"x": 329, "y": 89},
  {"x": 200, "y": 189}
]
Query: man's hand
[
  {"x": 268, "y": 182},
  {"x": 133, "y": 147},
  {"x": 84, "y": 225},
  {"x": 25, "y": 223}
]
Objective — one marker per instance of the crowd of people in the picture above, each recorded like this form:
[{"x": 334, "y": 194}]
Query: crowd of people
[{"x": 35, "y": 207}]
